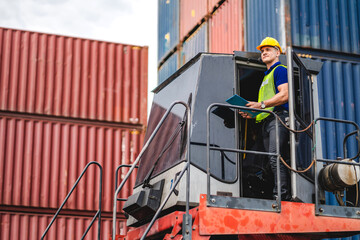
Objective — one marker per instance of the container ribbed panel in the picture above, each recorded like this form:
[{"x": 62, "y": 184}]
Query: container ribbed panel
[
  {"x": 338, "y": 90},
  {"x": 263, "y": 19},
  {"x": 226, "y": 28},
  {"x": 329, "y": 25},
  {"x": 40, "y": 160},
  {"x": 191, "y": 14},
  {"x": 339, "y": 85},
  {"x": 197, "y": 42},
  {"x": 168, "y": 27},
  {"x": 168, "y": 68},
  {"x": 72, "y": 77},
  {"x": 18, "y": 226}
]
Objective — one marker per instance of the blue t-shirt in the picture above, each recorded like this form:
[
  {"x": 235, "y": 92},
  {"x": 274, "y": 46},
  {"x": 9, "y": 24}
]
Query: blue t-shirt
[{"x": 280, "y": 77}]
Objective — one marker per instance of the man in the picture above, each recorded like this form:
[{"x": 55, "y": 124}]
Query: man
[{"x": 273, "y": 96}]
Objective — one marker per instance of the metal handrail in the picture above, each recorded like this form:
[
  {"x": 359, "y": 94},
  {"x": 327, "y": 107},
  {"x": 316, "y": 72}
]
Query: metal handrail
[
  {"x": 116, "y": 178},
  {"x": 277, "y": 154},
  {"x": 344, "y": 145},
  {"x": 146, "y": 145},
  {"x": 317, "y": 202},
  {"x": 98, "y": 213},
  {"x": 186, "y": 168},
  {"x": 345, "y": 138}
]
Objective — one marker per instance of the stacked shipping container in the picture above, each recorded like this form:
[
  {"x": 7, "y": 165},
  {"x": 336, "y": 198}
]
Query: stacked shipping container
[
  {"x": 327, "y": 25},
  {"x": 264, "y": 18},
  {"x": 327, "y": 30},
  {"x": 192, "y": 14},
  {"x": 168, "y": 33},
  {"x": 196, "y": 43},
  {"x": 15, "y": 225},
  {"x": 65, "y": 102},
  {"x": 225, "y": 28},
  {"x": 204, "y": 25},
  {"x": 72, "y": 77}
]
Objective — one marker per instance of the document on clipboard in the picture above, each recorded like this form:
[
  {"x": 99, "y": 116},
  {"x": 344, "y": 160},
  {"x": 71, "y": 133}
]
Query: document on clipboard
[{"x": 239, "y": 101}]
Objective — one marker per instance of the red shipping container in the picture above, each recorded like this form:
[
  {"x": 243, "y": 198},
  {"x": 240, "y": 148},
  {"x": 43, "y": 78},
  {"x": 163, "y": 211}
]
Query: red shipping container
[
  {"x": 19, "y": 226},
  {"x": 40, "y": 160},
  {"x": 72, "y": 77},
  {"x": 191, "y": 14},
  {"x": 227, "y": 28}
]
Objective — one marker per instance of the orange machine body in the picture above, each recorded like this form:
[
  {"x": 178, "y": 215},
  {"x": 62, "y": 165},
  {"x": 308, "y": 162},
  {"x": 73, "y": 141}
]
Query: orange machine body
[{"x": 295, "y": 221}]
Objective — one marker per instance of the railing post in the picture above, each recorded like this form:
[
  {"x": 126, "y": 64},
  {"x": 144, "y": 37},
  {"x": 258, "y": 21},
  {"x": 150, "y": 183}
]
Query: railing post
[
  {"x": 98, "y": 214},
  {"x": 318, "y": 205},
  {"x": 290, "y": 76},
  {"x": 142, "y": 152},
  {"x": 187, "y": 219},
  {"x": 117, "y": 176},
  {"x": 208, "y": 190}
]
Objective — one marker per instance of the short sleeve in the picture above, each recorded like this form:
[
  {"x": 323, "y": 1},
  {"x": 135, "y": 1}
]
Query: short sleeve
[{"x": 280, "y": 76}]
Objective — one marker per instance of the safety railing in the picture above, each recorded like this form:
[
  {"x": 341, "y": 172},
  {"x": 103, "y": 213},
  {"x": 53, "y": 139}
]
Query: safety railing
[
  {"x": 332, "y": 210},
  {"x": 117, "y": 177},
  {"x": 187, "y": 223},
  {"x": 98, "y": 213},
  {"x": 225, "y": 201}
]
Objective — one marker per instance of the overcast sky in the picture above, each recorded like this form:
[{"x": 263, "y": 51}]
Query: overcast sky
[{"x": 122, "y": 21}]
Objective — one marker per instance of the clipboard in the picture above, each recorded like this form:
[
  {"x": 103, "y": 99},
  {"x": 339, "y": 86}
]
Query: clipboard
[{"x": 239, "y": 101}]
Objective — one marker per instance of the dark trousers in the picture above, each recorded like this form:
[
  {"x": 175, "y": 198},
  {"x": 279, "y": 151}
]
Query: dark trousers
[{"x": 269, "y": 139}]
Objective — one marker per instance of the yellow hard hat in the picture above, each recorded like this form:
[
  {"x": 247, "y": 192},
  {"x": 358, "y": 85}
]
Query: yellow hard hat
[{"x": 269, "y": 41}]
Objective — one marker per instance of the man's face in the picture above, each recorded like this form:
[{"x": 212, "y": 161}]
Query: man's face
[{"x": 269, "y": 54}]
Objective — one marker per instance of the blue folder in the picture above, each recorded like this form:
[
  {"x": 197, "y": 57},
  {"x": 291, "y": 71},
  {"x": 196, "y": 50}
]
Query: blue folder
[{"x": 239, "y": 101}]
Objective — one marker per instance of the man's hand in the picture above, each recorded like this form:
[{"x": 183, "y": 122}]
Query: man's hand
[
  {"x": 251, "y": 105},
  {"x": 244, "y": 115},
  {"x": 254, "y": 105}
]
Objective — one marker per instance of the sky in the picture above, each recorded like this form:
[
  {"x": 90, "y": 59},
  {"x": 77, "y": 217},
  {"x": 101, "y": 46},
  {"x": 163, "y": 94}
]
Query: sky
[{"x": 122, "y": 21}]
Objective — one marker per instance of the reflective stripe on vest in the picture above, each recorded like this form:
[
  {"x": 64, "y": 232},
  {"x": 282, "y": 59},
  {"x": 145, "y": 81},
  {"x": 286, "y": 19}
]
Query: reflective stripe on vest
[{"x": 267, "y": 91}]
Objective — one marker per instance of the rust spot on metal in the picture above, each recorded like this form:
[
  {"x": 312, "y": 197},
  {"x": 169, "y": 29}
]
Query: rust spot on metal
[
  {"x": 258, "y": 223},
  {"x": 272, "y": 227},
  {"x": 244, "y": 221},
  {"x": 230, "y": 222}
]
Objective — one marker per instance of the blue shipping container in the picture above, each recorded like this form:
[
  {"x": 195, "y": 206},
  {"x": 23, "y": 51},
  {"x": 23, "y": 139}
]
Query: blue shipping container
[
  {"x": 338, "y": 94},
  {"x": 168, "y": 27},
  {"x": 263, "y": 18},
  {"x": 197, "y": 42},
  {"x": 326, "y": 24},
  {"x": 168, "y": 68},
  {"x": 338, "y": 91}
]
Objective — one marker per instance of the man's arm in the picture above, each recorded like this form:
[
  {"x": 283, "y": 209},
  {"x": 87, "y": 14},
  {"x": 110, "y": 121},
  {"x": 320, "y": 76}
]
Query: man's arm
[{"x": 280, "y": 98}]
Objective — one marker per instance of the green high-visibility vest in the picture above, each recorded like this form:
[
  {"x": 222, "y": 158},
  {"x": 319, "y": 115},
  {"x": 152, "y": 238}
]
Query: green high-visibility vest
[{"x": 267, "y": 91}]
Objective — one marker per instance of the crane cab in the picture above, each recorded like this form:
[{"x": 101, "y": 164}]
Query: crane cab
[{"x": 238, "y": 179}]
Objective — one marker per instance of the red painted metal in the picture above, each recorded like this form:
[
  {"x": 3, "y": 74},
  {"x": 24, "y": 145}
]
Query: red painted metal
[
  {"x": 72, "y": 77},
  {"x": 295, "y": 218},
  {"x": 175, "y": 230},
  {"x": 196, "y": 229},
  {"x": 18, "y": 226},
  {"x": 191, "y": 14},
  {"x": 226, "y": 28},
  {"x": 165, "y": 223},
  {"x": 40, "y": 161},
  {"x": 273, "y": 237},
  {"x": 297, "y": 221}
]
